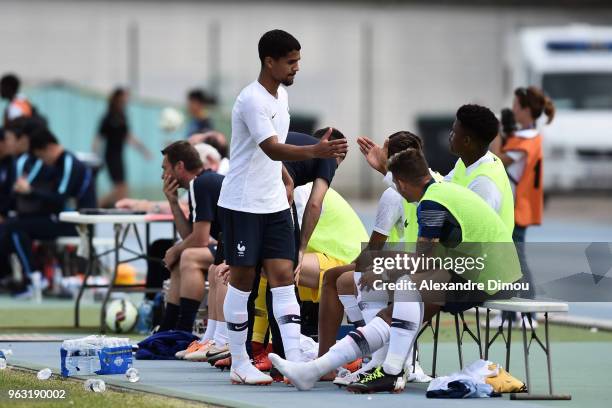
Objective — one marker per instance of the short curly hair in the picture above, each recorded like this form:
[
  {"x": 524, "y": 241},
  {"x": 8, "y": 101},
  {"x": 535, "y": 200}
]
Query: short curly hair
[
  {"x": 335, "y": 135},
  {"x": 409, "y": 165},
  {"x": 403, "y": 140},
  {"x": 277, "y": 44},
  {"x": 479, "y": 121}
]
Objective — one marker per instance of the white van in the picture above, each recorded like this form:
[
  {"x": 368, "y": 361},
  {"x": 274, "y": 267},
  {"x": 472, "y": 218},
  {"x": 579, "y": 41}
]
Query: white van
[{"x": 573, "y": 64}]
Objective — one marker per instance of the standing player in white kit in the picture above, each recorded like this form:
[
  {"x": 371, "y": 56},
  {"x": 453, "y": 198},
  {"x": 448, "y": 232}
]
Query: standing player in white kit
[{"x": 254, "y": 208}]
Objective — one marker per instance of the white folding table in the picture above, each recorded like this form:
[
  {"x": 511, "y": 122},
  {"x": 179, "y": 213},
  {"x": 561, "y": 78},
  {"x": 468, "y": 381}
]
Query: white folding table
[{"x": 122, "y": 224}]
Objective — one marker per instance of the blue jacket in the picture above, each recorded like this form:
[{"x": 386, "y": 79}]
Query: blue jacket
[{"x": 164, "y": 345}]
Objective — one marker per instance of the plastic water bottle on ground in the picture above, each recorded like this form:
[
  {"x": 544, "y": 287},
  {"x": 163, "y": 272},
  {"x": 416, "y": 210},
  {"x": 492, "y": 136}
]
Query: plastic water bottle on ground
[
  {"x": 132, "y": 375},
  {"x": 44, "y": 374},
  {"x": 95, "y": 385},
  {"x": 2, "y": 363}
]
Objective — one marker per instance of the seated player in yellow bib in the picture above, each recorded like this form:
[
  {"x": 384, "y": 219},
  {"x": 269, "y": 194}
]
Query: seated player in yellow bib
[
  {"x": 336, "y": 241},
  {"x": 467, "y": 221},
  {"x": 318, "y": 174}
]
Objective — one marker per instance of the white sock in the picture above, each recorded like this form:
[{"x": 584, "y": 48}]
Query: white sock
[
  {"x": 220, "y": 337},
  {"x": 351, "y": 308},
  {"x": 407, "y": 317},
  {"x": 369, "y": 310},
  {"x": 410, "y": 361},
  {"x": 211, "y": 326},
  {"x": 236, "y": 317},
  {"x": 287, "y": 313},
  {"x": 378, "y": 357},
  {"x": 357, "y": 343},
  {"x": 372, "y": 302}
]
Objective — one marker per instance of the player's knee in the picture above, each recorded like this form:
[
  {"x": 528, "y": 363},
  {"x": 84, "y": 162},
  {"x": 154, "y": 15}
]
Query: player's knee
[
  {"x": 193, "y": 259},
  {"x": 345, "y": 284},
  {"x": 330, "y": 279},
  {"x": 242, "y": 278},
  {"x": 189, "y": 255}
]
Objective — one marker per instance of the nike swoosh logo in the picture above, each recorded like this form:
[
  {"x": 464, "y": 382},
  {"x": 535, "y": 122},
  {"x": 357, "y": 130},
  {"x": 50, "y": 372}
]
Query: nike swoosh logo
[
  {"x": 289, "y": 319},
  {"x": 273, "y": 116},
  {"x": 241, "y": 327}
]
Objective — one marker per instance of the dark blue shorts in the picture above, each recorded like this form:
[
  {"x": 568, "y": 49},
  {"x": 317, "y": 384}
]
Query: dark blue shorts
[
  {"x": 217, "y": 251},
  {"x": 249, "y": 238}
]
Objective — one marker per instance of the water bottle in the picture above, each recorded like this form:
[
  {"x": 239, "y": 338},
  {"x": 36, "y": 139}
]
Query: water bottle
[
  {"x": 2, "y": 363},
  {"x": 82, "y": 356},
  {"x": 36, "y": 279},
  {"x": 95, "y": 385},
  {"x": 145, "y": 317},
  {"x": 132, "y": 375},
  {"x": 44, "y": 374}
]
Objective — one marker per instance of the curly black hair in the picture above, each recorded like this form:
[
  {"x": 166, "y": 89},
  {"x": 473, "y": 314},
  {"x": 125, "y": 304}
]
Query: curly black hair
[
  {"x": 277, "y": 44},
  {"x": 479, "y": 121},
  {"x": 335, "y": 135}
]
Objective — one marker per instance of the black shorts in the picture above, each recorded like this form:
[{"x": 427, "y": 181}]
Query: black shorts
[
  {"x": 114, "y": 164},
  {"x": 460, "y": 301},
  {"x": 249, "y": 238}
]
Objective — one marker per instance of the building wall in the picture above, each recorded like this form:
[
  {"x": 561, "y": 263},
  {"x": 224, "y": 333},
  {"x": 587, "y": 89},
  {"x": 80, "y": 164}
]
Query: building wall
[{"x": 425, "y": 59}]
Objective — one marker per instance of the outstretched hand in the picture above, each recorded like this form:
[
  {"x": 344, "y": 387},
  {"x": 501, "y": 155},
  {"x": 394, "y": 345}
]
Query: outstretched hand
[
  {"x": 375, "y": 155},
  {"x": 330, "y": 149}
]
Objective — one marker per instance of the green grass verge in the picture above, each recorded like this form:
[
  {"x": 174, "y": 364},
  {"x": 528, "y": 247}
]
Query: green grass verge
[
  {"x": 76, "y": 395},
  {"x": 49, "y": 316}
]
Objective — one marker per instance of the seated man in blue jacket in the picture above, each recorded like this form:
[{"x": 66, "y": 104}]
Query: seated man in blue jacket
[{"x": 70, "y": 184}]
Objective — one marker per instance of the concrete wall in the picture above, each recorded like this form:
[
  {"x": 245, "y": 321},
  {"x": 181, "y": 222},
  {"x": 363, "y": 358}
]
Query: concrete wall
[{"x": 425, "y": 59}]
